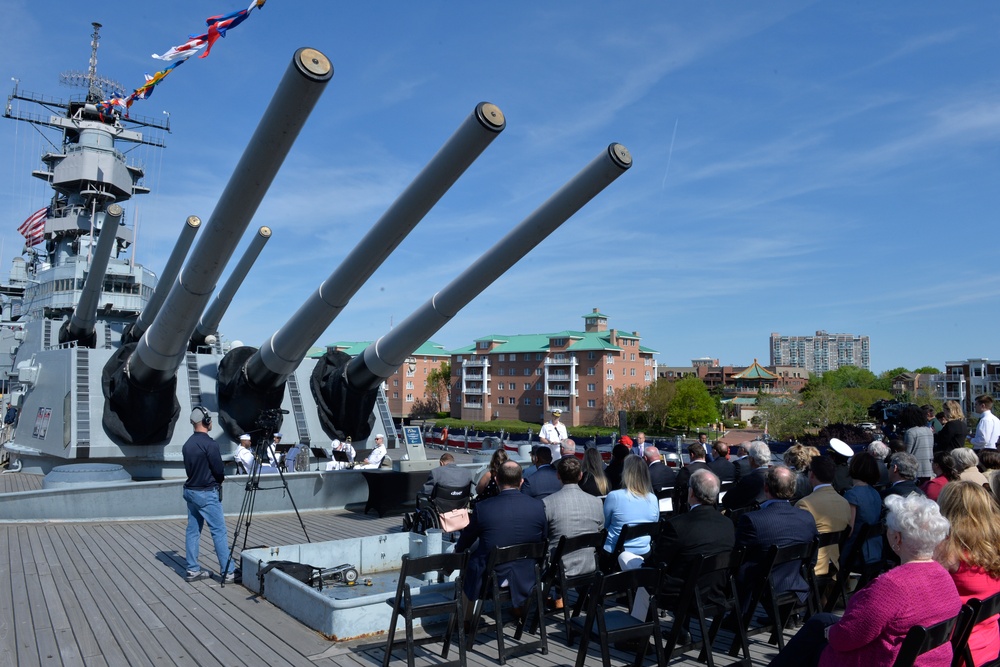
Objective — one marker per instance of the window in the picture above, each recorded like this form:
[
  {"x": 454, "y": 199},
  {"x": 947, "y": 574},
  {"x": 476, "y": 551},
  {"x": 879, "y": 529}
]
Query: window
[
  {"x": 527, "y": 386},
  {"x": 484, "y": 345},
  {"x": 502, "y": 357},
  {"x": 558, "y": 342},
  {"x": 527, "y": 401},
  {"x": 610, "y": 390},
  {"x": 512, "y": 400},
  {"x": 527, "y": 356},
  {"x": 538, "y": 371},
  {"x": 512, "y": 371},
  {"x": 591, "y": 403},
  {"x": 538, "y": 401},
  {"x": 611, "y": 375},
  {"x": 538, "y": 356},
  {"x": 409, "y": 385},
  {"x": 631, "y": 372},
  {"x": 500, "y": 400},
  {"x": 527, "y": 371},
  {"x": 395, "y": 383},
  {"x": 395, "y": 394},
  {"x": 500, "y": 386},
  {"x": 632, "y": 357},
  {"x": 409, "y": 398},
  {"x": 499, "y": 371},
  {"x": 590, "y": 371},
  {"x": 591, "y": 355},
  {"x": 409, "y": 373},
  {"x": 591, "y": 387},
  {"x": 610, "y": 358},
  {"x": 647, "y": 376}
]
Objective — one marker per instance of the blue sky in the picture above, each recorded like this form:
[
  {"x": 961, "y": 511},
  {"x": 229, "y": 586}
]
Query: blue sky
[{"x": 797, "y": 166}]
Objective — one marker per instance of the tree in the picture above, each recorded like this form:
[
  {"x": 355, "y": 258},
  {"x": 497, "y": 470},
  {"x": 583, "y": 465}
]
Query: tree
[
  {"x": 845, "y": 376},
  {"x": 630, "y": 399},
  {"x": 928, "y": 370},
  {"x": 437, "y": 384},
  {"x": 692, "y": 405},
  {"x": 658, "y": 398},
  {"x": 784, "y": 416}
]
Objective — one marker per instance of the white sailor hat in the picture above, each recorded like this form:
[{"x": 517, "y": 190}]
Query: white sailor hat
[
  {"x": 245, "y": 436},
  {"x": 841, "y": 447},
  {"x": 277, "y": 435}
]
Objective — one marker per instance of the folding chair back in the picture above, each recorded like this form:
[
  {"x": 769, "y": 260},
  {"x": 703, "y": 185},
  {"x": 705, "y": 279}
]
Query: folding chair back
[
  {"x": 444, "y": 597},
  {"x": 979, "y": 611},
  {"x": 631, "y": 531},
  {"x": 573, "y": 565},
  {"x": 920, "y": 640},
  {"x": 615, "y": 623}
]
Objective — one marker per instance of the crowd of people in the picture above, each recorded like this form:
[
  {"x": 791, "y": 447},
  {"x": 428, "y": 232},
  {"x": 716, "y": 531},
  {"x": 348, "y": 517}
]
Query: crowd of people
[{"x": 927, "y": 503}]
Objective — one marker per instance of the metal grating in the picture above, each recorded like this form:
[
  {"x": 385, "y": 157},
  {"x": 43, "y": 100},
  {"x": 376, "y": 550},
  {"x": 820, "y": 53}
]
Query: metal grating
[
  {"x": 82, "y": 397},
  {"x": 194, "y": 379},
  {"x": 382, "y": 405},
  {"x": 298, "y": 413}
]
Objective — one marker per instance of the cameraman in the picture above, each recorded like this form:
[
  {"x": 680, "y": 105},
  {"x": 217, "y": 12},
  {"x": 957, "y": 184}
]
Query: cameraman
[{"x": 203, "y": 495}]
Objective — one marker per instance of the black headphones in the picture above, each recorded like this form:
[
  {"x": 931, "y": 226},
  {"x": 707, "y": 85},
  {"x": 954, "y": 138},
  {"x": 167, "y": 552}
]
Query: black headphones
[{"x": 200, "y": 414}]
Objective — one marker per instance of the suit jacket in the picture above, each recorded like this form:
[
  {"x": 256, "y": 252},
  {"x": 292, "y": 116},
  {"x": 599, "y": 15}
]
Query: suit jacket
[
  {"x": 741, "y": 467},
  {"x": 780, "y": 524},
  {"x": 544, "y": 482},
  {"x": 680, "y": 496},
  {"x": 832, "y": 512},
  {"x": 904, "y": 488},
  {"x": 571, "y": 511},
  {"x": 702, "y": 531},
  {"x": 449, "y": 475},
  {"x": 493, "y": 526},
  {"x": 724, "y": 469},
  {"x": 747, "y": 491},
  {"x": 661, "y": 475}
]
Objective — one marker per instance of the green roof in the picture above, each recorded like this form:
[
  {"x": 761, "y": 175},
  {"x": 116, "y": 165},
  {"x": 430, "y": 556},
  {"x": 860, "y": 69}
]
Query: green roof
[
  {"x": 354, "y": 348},
  {"x": 755, "y": 372},
  {"x": 579, "y": 341},
  {"x": 595, "y": 315}
]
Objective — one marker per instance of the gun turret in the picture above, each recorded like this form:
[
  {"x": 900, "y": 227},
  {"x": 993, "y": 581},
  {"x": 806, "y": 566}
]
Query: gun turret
[
  {"x": 253, "y": 380},
  {"x": 140, "y": 380},
  {"x": 346, "y": 389},
  {"x": 80, "y": 327},
  {"x": 209, "y": 324},
  {"x": 167, "y": 278}
]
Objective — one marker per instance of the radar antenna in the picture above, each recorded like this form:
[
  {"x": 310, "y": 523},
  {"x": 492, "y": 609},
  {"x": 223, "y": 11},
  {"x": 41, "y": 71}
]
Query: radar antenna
[{"x": 99, "y": 88}]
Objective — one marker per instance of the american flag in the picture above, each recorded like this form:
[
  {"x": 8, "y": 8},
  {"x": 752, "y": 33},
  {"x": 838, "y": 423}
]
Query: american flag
[{"x": 33, "y": 229}]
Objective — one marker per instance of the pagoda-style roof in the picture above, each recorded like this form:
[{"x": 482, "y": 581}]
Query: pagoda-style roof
[{"x": 755, "y": 372}]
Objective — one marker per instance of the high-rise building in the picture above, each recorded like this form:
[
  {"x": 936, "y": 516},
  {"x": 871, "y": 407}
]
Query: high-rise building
[
  {"x": 822, "y": 352},
  {"x": 524, "y": 376}
]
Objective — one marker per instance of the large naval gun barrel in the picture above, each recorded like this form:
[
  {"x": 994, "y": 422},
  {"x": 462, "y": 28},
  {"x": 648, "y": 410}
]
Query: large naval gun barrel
[
  {"x": 140, "y": 380},
  {"x": 252, "y": 380},
  {"x": 166, "y": 281},
  {"x": 81, "y": 325},
  {"x": 346, "y": 389},
  {"x": 209, "y": 324}
]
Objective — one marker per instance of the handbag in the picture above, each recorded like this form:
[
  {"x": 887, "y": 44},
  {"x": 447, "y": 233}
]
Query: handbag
[{"x": 456, "y": 519}]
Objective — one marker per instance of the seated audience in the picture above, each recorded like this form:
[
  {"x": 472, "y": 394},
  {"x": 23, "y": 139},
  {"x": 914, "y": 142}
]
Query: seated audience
[
  {"x": 594, "y": 482},
  {"x": 881, "y": 452},
  {"x": 570, "y": 511},
  {"x": 448, "y": 474},
  {"x": 696, "y": 453},
  {"x": 723, "y": 468},
  {"x": 660, "y": 475},
  {"x": 877, "y": 618},
  {"x": 902, "y": 475},
  {"x": 633, "y": 503},
  {"x": 841, "y": 453},
  {"x": 830, "y": 510},
  {"x": 797, "y": 459},
  {"x": 545, "y": 481},
  {"x": 487, "y": 486},
  {"x": 971, "y": 552},
  {"x": 943, "y": 466},
  {"x": 866, "y": 509},
  {"x": 989, "y": 459}
]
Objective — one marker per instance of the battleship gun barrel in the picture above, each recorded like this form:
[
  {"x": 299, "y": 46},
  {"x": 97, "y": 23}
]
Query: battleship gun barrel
[
  {"x": 161, "y": 350},
  {"x": 81, "y": 325},
  {"x": 283, "y": 352},
  {"x": 209, "y": 323},
  {"x": 167, "y": 278},
  {"x": 383, "y": 357}
]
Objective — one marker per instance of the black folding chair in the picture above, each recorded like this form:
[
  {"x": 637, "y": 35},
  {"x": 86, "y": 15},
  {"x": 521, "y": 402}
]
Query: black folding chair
[
  {"x": 435, "y": 599},
  {"x": 920, "y": 640},
  {"x": 629, "y": 532},
  {"x": 706, "y": 575},
  {"x": 616, "y": 623},
  {"x": 493, "y": 586},
  {"x": 585, "y": 547},
  {"x": 854, "y": 561},
  {"x": 979, "y": 611}
]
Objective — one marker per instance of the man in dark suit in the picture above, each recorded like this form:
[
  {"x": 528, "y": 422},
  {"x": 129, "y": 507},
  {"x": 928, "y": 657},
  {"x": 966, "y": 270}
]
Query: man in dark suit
[
  {"x": 660, "y": 474},
  {"x": 902, "y": 475},
  {"x": 697, "y": 453},
  {"x": 702, "y": 530},
  {"x": 741, "y": 462},
  {"x": 721, "y": 465},
  {"x": 776, "y": 523},
  {"x": 545, "y": 481},
  {"x": 502, "y": 521},
  {"x": 448, "y": 474},
  {"x": 750, "y": 489}
]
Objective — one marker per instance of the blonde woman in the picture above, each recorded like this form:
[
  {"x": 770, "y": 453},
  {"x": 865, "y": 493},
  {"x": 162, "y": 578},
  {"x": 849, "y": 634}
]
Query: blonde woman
[
  {"x": 633, "y": 503},
  {"x": 971, "y": 553},
  {"x": 955, "y": 430}
]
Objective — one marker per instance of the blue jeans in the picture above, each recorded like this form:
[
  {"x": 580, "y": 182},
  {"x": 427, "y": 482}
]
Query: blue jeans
[{"x": 205, "y": 507}]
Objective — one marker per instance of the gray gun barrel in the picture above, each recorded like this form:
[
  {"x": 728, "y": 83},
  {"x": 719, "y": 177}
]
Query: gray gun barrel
[
  {"x": 161, "y": 349},
  {"x": 81, "y": 325},
  {"x": 280, "y": 356},
  {"x": 383, "y": 357},
  {"x": 209, "y": 324},
  {"x": 167, "y": 278}
]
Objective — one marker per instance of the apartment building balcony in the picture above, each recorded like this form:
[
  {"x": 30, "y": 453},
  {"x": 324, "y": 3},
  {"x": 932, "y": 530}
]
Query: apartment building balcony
[
  {"x": 554, "y": 376},
  {"x": 473, "y": 391},
  {"x": 568, "y": 361},
  {"x": 472, "y": 406},
  {"x": 475, "y": 375},
  {"x": 559, "y": 392},
  {"x": 476, "y": 362}
]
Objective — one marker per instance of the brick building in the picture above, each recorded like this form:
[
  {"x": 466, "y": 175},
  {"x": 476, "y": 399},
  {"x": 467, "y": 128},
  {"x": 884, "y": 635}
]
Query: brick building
[
  {"x": 524, "y": 376},
  {"x": 821, "y": 352}
]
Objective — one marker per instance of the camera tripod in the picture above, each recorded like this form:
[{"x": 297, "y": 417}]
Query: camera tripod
[{"x": 267, "y": 422}]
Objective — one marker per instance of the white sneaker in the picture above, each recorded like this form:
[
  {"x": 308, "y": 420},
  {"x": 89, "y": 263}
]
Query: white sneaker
[{"x": 196, "y": 576}]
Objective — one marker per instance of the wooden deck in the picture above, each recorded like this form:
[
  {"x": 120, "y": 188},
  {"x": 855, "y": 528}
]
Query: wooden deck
[{"x": 115, "y": 594}]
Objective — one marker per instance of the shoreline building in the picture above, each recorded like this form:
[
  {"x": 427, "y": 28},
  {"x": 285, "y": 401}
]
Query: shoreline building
[
  {"x": 524, "y": 376},
  {"x": 962, "y": 381},
  {"x": 821, "y": 352}
]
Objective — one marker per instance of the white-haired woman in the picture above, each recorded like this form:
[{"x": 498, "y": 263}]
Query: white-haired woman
[
  {"x": 966, "y": 465},
  {"x": 918, "y": 592}
]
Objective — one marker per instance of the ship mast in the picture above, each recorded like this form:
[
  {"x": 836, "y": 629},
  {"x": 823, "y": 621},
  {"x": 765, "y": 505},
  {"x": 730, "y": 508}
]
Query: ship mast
[{"x": 93, "y": 85}]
